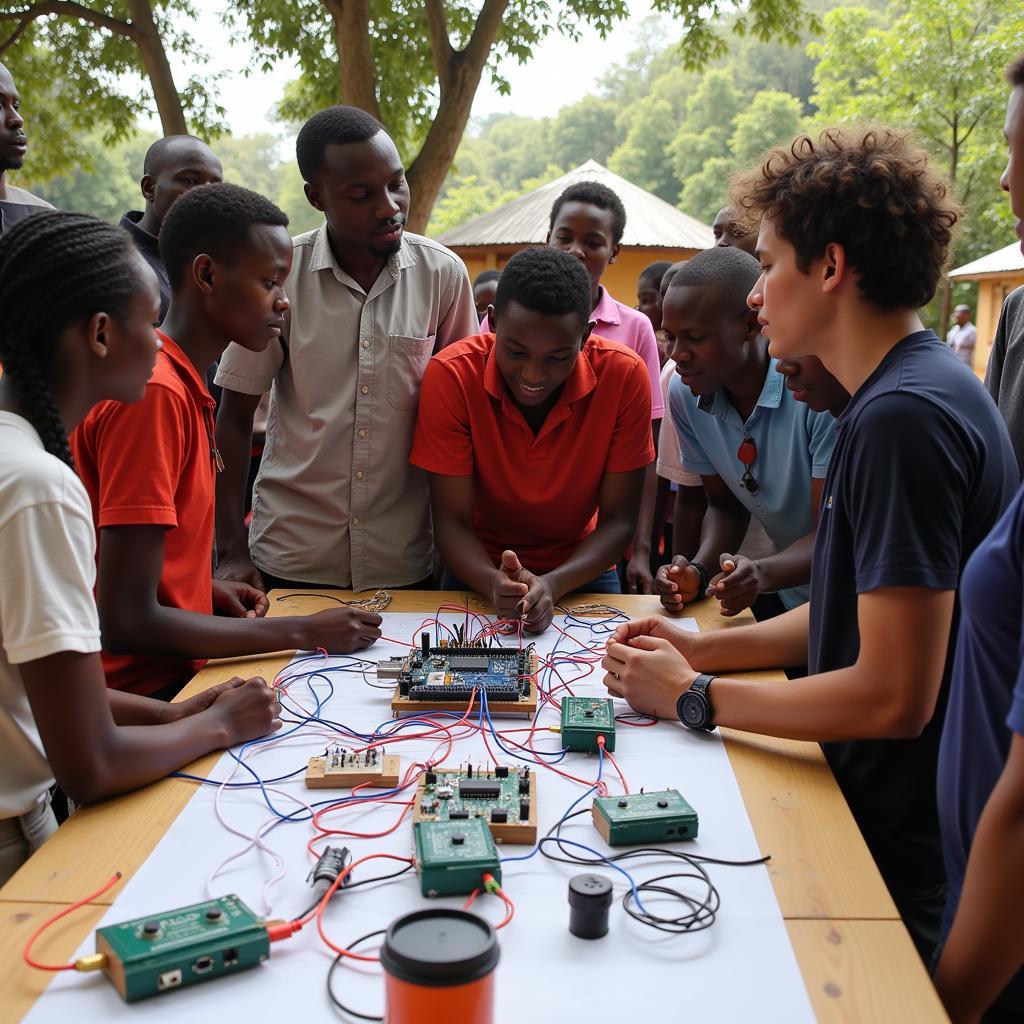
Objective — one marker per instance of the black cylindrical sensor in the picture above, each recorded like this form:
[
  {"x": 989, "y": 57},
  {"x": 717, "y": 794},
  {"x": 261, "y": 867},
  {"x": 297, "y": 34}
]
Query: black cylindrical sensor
[
  {"x": 590, "y": 897},
  {"x": 425, "y": 643}
]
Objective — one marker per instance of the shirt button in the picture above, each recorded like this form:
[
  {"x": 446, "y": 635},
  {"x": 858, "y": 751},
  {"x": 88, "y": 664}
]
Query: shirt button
[
  {"x": 359, "y": 475},
  {"x": 366, "y": 344},
  {"x": 362, "y": 433},
  {"x": 365, "y": 390},
  {"x": 355, "y": 520}
]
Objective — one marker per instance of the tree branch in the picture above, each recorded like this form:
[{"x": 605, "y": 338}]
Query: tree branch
[
  {"x": 70, "y": 9},
  {"x": 485, "y": 31},
  {"x": 440, "y": 45},
  {"x": 13, "y": 38}
]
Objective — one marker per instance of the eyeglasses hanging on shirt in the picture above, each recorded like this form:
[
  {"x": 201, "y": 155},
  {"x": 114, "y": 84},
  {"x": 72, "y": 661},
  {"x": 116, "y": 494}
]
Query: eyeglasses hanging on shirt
[{"x": 747, "y": 454}]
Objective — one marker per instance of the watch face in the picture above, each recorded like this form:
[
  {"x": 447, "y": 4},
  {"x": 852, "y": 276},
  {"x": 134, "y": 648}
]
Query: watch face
[{"x": 694, "y": 711}]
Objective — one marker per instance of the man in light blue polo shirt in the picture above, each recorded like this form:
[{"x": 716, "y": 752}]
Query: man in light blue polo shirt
[{"x": 759, "y": 451}]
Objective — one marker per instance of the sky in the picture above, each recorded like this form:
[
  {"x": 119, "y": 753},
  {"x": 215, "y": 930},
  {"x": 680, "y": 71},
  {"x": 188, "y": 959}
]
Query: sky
[{"x": 249, "y": 101}]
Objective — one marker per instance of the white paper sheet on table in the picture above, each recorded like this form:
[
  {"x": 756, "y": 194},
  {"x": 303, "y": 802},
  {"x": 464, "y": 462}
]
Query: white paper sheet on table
[{"x": 741, "y": 969}]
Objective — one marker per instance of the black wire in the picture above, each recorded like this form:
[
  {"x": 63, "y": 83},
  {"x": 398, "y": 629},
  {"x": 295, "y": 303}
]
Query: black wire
[
  {"x": 702, "y": 910},
  {"x": 330, "y": 973},
  {"x": 355, "y": 885}
]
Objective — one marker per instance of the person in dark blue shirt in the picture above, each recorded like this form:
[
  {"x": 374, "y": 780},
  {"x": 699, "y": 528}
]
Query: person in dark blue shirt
[
  {"x": 981, "y": 759},
  {"x": 854, "y": 231}
]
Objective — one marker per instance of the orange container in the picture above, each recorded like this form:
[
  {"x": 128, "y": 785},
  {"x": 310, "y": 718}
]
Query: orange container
[{"x": 439, "y": 968}]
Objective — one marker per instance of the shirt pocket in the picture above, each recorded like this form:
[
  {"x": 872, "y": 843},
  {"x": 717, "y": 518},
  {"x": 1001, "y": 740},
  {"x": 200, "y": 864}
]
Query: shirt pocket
[{"x": 407, "y": 362}]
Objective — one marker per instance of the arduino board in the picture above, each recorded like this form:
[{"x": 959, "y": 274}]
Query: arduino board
[
  {"x": 447, "y": 678},
  {"x": 505, "y": 798}
]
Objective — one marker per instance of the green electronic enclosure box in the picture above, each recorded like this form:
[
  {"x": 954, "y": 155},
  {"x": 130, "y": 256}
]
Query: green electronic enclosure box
[
  {"x": 452, "y": 856},
  {"x": 586, "y": 718},
  {"x": 662, "y": 816},
  {"x": 181, "y": 947}
]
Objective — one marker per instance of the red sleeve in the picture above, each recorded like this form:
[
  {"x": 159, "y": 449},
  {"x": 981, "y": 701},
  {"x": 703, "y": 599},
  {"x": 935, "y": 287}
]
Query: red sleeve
[
  {"x": 632, "y": 445},
  {"x": 139, "y": 451},
  {"x": 443, "y": 442}
]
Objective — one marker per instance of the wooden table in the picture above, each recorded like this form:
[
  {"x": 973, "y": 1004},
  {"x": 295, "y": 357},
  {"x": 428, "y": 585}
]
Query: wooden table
[{"x": 856, "y": 957}]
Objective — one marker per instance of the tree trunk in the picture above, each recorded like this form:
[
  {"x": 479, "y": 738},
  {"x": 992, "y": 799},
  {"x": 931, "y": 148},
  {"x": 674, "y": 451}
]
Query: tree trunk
[
  {"x": 357, "y": 76},
  {"x": 458, "y": 75},
  {"x": 154, "y": 57}
]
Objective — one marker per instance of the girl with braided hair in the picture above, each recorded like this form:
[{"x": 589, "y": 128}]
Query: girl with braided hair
[{"x": 77, "y": 306}]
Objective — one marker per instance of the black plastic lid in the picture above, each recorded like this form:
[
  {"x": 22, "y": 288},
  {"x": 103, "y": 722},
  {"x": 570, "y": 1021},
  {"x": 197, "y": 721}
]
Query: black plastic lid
[
  {"x": 590, "y": 892},
  {"x": 439, "y": 948}
]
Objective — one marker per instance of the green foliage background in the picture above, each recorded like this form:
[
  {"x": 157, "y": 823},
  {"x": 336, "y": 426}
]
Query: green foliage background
[{"x": 930, "y": 65}]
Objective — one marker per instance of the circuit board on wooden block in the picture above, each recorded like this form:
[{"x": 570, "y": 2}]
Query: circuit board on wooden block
[
  {"x": 337, "y": 768},
  {"x": 446, "y": 678},
  {"x": 453, "y": 856},
  {"x": 658, "y": 817},
  {"x": 504, "y": 798},
  {"x": 586, "y": 718}
]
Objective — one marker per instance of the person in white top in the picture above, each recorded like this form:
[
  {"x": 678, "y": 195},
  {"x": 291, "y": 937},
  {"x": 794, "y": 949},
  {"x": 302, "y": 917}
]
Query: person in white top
[
  {"x": 963, "y": 335},
  {"x": 77, "y": 308}
]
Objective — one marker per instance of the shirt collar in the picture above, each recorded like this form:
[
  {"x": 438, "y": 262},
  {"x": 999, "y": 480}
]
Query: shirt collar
[
  {"x": 144, "y": 239},
  {"x": 190, "y": 377},
  {"x": 607, "y": 309},
  {"x": 323, "y": 258},
  {"x": 719, "y": 405},
  {"x": 580, "y": 382},
  {"x": 923, "y": 337}
]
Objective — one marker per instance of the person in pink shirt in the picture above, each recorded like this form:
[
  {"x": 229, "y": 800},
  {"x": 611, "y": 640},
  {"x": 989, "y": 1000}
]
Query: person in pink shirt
[{"x": 587, "y": 221}]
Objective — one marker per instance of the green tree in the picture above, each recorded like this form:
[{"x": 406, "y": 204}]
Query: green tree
[
  {"x": 934, "y": 69},
  {"x": 586, "y": 130},
  {"x": 704, "y": 134},
  {"x": 70, "y": 59},
  {"x": 464, "y": 200},
  {"x": 643, "y": 158},
  {"x": 772, "y": 118},
  {"x": 417, "y": 65},
  {"x": 703, "y": 193}
]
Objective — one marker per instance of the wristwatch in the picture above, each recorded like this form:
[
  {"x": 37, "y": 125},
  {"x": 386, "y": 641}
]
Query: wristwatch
[{"x": 694, "y": 706}]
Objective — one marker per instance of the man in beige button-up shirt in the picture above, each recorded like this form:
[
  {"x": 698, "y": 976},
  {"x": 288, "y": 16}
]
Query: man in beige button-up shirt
[{"x": 336, "y": 501}]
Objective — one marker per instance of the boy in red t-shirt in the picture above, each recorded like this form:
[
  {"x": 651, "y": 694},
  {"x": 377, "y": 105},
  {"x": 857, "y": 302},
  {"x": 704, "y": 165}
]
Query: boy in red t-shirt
[
  {"x": 536, "y": 439},
  {"x": 149, "y": 468}
]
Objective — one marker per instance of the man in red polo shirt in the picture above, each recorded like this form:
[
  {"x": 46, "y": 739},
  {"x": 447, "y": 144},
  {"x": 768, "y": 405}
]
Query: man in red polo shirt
[
  {"x": 536, "y": 438},
  {"x": 149, "y": 468}
]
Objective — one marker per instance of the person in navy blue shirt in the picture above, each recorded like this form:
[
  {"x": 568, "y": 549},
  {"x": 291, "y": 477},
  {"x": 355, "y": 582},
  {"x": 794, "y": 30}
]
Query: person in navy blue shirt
[
  {"x": 855, "y": 228},
  {"x": 981, "y": 759}
]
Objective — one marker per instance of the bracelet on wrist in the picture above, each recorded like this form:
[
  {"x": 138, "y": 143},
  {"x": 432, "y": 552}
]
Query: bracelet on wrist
[{"x": 702, "y": 574}]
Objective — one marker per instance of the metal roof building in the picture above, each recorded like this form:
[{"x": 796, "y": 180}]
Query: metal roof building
[
  {"x": 997, "y": 275},
  {"x": 655, "y": 230}
]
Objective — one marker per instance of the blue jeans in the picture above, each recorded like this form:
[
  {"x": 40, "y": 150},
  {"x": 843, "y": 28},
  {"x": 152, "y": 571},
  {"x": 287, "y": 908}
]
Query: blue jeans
[{"x": 606, "y": 583}]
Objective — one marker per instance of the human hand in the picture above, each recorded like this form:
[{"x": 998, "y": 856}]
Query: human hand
[
  {"x": 538, "y": 605},
  {"x": 660, "y": 628},
  {"x": 239, "y": 568},
  {"x": 248, "y": 709},
  {"x": 510, "y": 585},
  {"x": 638, "y": 574},
  {"x": 737, "y": 586},
  {"x": 341, "y": 630},
  {"x": 649, "y": 673},
  {"x": 677, "y": 584},
  {"x": 239, "y": 600},
  {"x": 176, "y": 710}
]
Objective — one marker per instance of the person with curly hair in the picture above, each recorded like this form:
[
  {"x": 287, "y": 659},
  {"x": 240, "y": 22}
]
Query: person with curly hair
[
  {"x": 855, "y": 228},
  {"x": 536, "y": 439}
]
